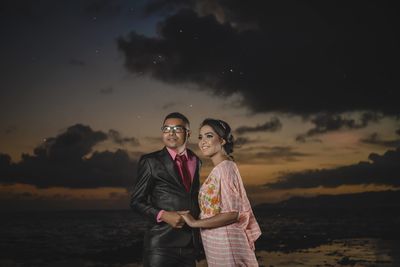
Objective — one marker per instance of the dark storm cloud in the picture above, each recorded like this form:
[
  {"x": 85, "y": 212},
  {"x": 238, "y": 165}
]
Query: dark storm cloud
[
  {"x": 325, "y": 123},
  {"x": 19, "y": 11},
  {"x": 270, "y": 126},
  {"x": 77, "y": 62},
  {"x": 116, "y": 137},
  {"x": 68, "y": 160},
  {"x": 298, "y": 57},
  {"x": 31, "y": 10},
  {"x": 375, "y": 139},
  {"x": 379, "y": 170},
  {"x": 107, "y": 90},
  {"x": 242, "y": 140},
  {"x": 73, "y": 144},
  {"x": 5, "y": 161},
  {"x": 107, "y": 8},
  {"x": 166, "y": 6}
]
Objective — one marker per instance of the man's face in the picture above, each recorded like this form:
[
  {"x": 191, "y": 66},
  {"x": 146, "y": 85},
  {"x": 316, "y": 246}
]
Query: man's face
[{"x": 175, "y": 133}]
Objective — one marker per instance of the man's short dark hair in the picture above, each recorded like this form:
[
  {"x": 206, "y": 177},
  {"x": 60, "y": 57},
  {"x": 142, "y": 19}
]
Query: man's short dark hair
[{"x": 177, "y": 115}]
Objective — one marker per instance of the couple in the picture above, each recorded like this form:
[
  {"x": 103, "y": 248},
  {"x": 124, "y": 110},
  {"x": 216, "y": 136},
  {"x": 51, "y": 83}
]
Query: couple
[{"x": 167, "y": 192}]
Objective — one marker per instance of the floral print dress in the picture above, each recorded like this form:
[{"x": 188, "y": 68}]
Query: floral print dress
[{"x": 231, "y": 245}]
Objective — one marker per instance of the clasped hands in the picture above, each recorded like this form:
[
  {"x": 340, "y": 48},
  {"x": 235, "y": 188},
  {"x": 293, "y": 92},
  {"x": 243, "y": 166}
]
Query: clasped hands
[{"x": 177, "y": 219}]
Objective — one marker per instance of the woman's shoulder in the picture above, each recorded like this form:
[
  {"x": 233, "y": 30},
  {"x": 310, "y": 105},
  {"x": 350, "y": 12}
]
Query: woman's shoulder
[
  {"x": 228, "y": 164},
  {"x": 224, "y": 165},
  {"x": 226, "y": 168}
]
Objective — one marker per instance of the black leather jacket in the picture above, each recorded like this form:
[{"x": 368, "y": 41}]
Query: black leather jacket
[{"x": 159, "y": 187}]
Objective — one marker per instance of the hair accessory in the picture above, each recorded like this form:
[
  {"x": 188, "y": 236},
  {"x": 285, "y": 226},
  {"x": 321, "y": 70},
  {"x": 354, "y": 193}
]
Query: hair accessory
[{"x": 223, "y": 126}]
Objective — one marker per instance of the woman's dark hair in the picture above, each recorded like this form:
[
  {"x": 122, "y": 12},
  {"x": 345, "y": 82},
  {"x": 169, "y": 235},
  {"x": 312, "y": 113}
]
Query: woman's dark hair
[{"x": 223, "y": 130}]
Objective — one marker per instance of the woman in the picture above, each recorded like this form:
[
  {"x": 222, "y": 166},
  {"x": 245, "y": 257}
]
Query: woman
[{"x": 228, "y": 226}]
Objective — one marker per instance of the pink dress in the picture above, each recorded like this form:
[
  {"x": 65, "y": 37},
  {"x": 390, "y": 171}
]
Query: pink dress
[{"x": 231, "y": 245}]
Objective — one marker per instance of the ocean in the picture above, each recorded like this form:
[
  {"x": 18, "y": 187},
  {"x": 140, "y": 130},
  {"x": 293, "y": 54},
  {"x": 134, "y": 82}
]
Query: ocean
[{"x": 113, "y": 238}]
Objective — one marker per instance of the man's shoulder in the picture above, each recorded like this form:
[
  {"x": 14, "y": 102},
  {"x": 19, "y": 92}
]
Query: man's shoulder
[{"x": 152, "y": 155}]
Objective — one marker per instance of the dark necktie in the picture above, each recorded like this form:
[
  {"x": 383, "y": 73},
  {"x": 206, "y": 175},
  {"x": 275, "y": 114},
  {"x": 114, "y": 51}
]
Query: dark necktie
[{"x": 184, "y": 171}]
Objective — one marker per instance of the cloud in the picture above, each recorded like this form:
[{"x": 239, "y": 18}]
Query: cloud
[
  {"x": 375, "y": 139},
  {"x": 103, "y": 8},
  {"x": 166, "y": 6},
  {"x": 24, "y": 9},
  {"x": 107, "y": 90},
  {"x": 381, "y": 199},
  {"x": 270, "y": 126},
  {"x": 297, "y": 57},
  {"x": 116, "y": 137},
  {"x": 73, "y": 144},
  {"x": 5, "y": 161},
  {"x": 77, "y": 62},
  {"x": 268, "y": 154},
  {"x": 64, "y": 161},
  {"x": 242, "y": 140},
  {"x": 326, "y": 122},
  {"x": 379, "y": 170}
]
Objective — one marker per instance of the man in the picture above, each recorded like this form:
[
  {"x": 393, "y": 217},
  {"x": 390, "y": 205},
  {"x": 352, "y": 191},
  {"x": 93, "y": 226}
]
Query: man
[{"x": 168, "y": 182}]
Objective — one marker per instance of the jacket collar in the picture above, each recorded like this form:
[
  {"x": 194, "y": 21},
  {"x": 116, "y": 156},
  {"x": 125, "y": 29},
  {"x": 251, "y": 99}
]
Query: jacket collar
[{"x": 169, "y": 164}]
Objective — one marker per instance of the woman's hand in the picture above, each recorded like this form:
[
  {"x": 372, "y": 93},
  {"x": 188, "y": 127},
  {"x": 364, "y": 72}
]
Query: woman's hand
[
  {"x": 218, "y": 220},
  {"x": 188, "y": 219}
]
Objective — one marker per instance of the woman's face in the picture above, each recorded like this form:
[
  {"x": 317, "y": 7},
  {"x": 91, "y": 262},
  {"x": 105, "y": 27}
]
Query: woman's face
[{"x": 210, "y": 143}]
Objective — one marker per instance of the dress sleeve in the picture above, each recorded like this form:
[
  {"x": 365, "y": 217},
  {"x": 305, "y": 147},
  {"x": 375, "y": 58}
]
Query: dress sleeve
[
  {"x": 230, "y": 190},
  {"x": 234, "y": 198}
]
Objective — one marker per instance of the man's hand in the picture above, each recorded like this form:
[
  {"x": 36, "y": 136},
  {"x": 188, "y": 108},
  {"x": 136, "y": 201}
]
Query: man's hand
[{"x": 173, "y": 219}]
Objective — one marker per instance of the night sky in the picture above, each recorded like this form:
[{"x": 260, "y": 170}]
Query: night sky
[{"x": 311, "y": 89}]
